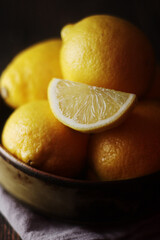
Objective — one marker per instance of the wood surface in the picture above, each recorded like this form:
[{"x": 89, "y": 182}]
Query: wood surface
[{"x": 6, "y": 231}]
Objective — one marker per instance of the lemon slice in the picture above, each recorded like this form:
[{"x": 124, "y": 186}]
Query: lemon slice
[{"x": 88, "y": 108}]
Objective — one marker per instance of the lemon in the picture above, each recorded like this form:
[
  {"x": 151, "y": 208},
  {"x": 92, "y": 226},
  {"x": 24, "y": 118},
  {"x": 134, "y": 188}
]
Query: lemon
[
  {"x": 88, "y": 108},
  {"x": 107, "y": 51},
  {"x": 130, "y": 150},
  {"x": 36, "y": 137},
  {"x": 26, "y": 78}
]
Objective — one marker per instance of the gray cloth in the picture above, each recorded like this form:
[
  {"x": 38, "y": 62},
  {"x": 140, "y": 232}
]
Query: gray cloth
[{"x": 31, "y": 226}]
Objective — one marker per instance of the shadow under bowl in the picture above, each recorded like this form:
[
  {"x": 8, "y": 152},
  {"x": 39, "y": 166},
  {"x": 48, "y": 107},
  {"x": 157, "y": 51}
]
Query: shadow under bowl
[{"x": 78, "y": 200}]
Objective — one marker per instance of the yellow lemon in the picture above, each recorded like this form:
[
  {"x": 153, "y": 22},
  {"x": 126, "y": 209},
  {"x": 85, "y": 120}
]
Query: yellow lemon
[
  {"x": 88, "y": 108},
  {"x": 132, "y": 149},
  {"x": 26, "y": 78},
  {"x": 36, "y": 137},
  {"x": 106, "y": 51}
]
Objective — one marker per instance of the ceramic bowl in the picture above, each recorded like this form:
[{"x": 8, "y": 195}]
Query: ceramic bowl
[{"x": 77, "y": 200}]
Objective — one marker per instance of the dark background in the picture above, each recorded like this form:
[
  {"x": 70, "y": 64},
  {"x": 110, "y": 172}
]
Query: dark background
[{"x": 23, "y": 22}]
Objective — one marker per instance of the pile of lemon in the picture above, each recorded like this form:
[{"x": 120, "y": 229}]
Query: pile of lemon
[{"x": 88, "y": 102}]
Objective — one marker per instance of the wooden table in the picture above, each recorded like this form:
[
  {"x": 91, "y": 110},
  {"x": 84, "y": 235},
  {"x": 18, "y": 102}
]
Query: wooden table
[{"x": 6, "y": 231}]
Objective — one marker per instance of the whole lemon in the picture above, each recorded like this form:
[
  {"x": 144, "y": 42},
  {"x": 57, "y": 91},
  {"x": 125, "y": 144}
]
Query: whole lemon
[
  {"x": 26, "y": 78},
  {"x": 130, "y": 150},
  {"x": 36, "y": 137},
  {"x": 109, "y": 52}
]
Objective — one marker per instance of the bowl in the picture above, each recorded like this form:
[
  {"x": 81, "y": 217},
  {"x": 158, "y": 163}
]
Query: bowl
[{"x": 77, "y": 199}]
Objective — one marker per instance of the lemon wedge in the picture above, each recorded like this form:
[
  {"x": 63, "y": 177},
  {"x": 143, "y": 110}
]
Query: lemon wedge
[{"x": 88, "y": 108}]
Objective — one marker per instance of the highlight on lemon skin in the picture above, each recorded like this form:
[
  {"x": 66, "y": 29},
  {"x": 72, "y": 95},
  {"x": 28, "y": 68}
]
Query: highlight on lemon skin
[
  {"x": 27, "y": 76},
  {"x": 88, "y": 108},
  {"x": 37, "y": 138}
]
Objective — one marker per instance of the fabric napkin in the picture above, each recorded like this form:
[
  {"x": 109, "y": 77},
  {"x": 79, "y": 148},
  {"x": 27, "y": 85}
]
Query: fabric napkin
[{"x": 31, "y": 226}]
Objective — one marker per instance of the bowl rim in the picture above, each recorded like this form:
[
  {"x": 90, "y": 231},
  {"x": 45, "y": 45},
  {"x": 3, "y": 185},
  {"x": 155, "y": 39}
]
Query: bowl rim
[{"x": 70, "y": 182}]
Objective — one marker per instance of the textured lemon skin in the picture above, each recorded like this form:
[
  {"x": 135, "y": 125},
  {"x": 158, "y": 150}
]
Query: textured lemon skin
[
  {"x": 36, "y": 137},
  {"x": 108, "y": 52},
  {"x": 27, "y": 76},
  {"x": 130, "y": 150}
]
